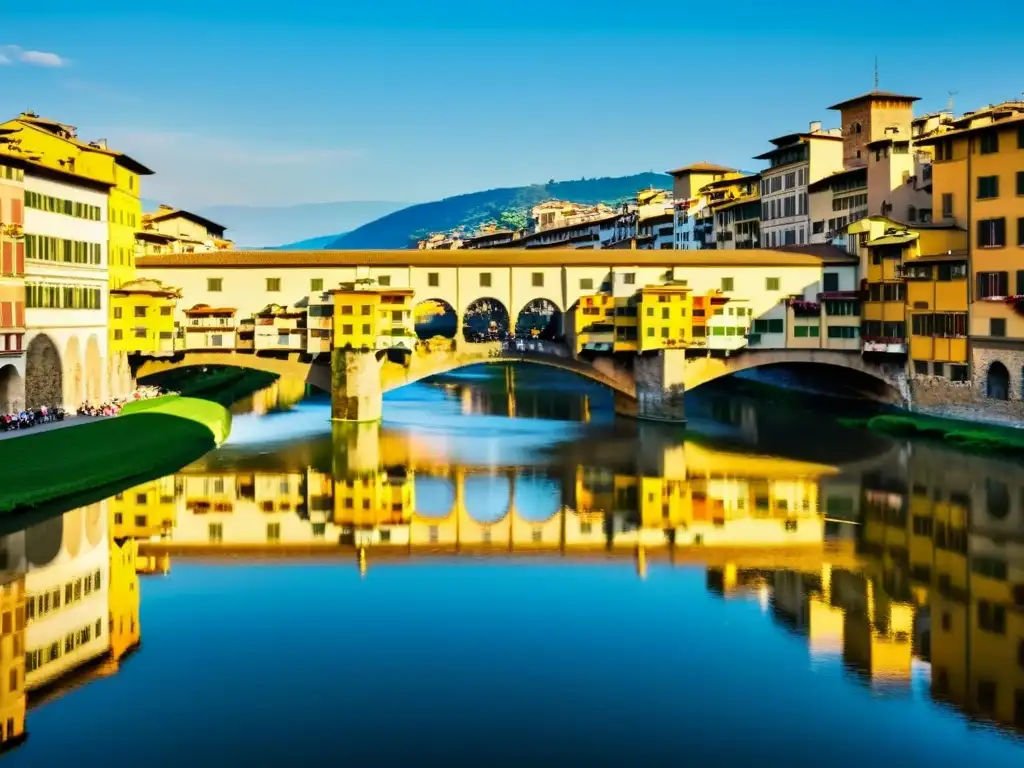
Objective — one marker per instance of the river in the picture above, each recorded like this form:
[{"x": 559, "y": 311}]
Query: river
[{"x": 504, "y": 572}]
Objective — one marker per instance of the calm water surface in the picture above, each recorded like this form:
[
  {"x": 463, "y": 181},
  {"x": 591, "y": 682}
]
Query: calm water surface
[{"x": 502, "y": 572}]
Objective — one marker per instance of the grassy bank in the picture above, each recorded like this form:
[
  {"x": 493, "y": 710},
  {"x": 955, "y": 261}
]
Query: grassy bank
[
  {"x": 967, "y": 436},
  {"x": 149, "y": 439}
]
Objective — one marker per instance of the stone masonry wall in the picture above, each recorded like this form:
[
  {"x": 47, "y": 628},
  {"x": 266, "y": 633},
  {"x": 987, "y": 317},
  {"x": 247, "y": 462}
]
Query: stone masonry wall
[
  {"x": 356, "y": 393},
  {"x": 938, "y": 396},
  {"x": 660, "y": 385}
]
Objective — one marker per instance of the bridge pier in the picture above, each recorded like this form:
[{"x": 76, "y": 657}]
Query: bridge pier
[
  {"x": 660, "y": 386},
  {"x": 356, "y": 392}
]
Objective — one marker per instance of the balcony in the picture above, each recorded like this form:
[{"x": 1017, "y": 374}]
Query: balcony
[{"x": 874, "y": 345}]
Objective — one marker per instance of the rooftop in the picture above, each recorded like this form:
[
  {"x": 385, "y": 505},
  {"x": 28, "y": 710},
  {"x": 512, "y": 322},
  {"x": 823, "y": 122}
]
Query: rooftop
[
  {"x": 805, "y": 255},
  {"x": 875, "y": 95},
  {"x": 167, "y": 212},
  {"x": 702, "y": 167}
]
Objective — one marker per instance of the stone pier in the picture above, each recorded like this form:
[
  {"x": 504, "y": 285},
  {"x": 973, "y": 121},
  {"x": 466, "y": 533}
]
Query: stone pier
[
  {"x": 660, "y": 386},
  {"x": 356, "y": 393}
]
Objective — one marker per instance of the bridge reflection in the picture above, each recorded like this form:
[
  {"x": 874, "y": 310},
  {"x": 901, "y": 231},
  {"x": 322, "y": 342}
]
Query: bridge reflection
[{"x": 929, "y": 587}]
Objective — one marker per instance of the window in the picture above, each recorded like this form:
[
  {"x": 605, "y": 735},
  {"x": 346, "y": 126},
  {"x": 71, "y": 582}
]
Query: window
[
  {"x": 346, "y": 309},
  {"x": 803, "y": 331},
  {"x": 537, "y": 279},
  {"x": 214, "y": 284},
  {"x": 346, "y": 330},
  {"x": 316, "y": 284},
  {"x": 988, "y": 187},
  {"x": 992, "y": 233},
  {"x": 433, "y": 279},
  {"x": 485, "y": 279},
  {"x": 273, "y": 284},
  {"x": 117, "y": 313},
  {"x": 140, "y": 311},
  {"x": 831, "y": 281},
  {"x": 771, "y": 284},
  {"x": 991, "y": 284},
  {"x": 997, "y": 327},
  {"x": 988, "y": 143},
  {"x": 1020, "y": 232},
  {"x": 165, "y": 311},
  {"x": 217, "y": 340},
  {"x": 586, "y": 284},
  {"x": 384, "y": 281},
  {"x": 727, "y": 284},
  {"x": 768, "y": 326},
  {"x": 947, "y": 205},
  {"x": 1020, "y": 137},
  {"x": 629, "y": 278},
  {"x": 1020, "y": 182},
  {"x": 843, "y": 331}
]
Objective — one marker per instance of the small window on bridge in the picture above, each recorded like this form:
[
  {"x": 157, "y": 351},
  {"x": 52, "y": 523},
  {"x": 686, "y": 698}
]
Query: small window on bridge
[
  {"x": 433, "y": 279},
  {"x": 771, "y": 283},
  {"x": 316, "y": 284},
  {"x": 384, "y": 281},
  {"x": 727, "y": 284},
  {"x": 485, "y": 279},
  {"x": 538, "y": 279},
  {"x": 273, "y": 284},
  {"x": 586, "y": 284},
  {"x": 214, "y": 284}
]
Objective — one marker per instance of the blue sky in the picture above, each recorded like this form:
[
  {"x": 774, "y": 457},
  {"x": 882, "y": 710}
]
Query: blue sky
[{"x": 234, "y": 102}]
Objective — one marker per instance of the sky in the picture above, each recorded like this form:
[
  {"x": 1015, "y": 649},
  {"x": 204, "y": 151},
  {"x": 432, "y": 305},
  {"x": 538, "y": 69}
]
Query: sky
[{"x": 263, "y": 104}]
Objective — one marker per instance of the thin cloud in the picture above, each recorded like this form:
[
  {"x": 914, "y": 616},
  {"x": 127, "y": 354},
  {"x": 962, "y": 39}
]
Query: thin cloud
[{"x": 13, "y": 54}]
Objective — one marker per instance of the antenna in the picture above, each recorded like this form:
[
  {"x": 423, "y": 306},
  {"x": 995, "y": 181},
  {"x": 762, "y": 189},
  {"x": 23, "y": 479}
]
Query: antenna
[
  {"x": 949, "y": 104},
  {"x": 876, "y": 73}
]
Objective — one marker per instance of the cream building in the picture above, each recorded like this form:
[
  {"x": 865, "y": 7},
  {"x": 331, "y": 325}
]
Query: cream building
[
  {"x": 171, "y": 230},
  {"x": 66, "y": 236},
  {"x": 67, "y": 591},
  {"x": 837, "y": 200},
  {"x": 689, "y": 201},
  {"x": 796, "y": 161}
]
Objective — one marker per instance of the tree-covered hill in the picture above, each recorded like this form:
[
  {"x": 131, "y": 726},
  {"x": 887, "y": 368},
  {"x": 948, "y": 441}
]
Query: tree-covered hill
[{"x": 403, "y": 228}]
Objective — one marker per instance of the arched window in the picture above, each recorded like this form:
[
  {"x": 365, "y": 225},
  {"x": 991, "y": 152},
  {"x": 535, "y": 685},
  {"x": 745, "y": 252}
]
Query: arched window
[
  {"x": 857, "y": 127},
  {"x": 997, "y": 383},
  {"x": 997, "y": 498}
]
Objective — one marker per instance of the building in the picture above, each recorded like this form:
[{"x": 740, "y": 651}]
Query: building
[
  {"x": 978, "y": 181},
  {"x": 12, "y": 283},
  {"x": 796, "y": 161},
  {"x": 687, "y": 183},
  {"x": 664, "y": 317},
  {"x": 66, "y": 284},
  {"x": 836, "y": 200},
  {"x": 172, "y": 230},
  {"x": 655, "y": 217},
  {"x": 590, "y": 324},
  {"x": 279, "y": 329},
  {"x": 142, "y": 317},
  {"x": 731, "y": 216},
  {"x": 210, "y": 328},
  {"x": 368, "y": 317},
  {"x": 12, "y": 650},
  {"x": 560, "y": 224}
]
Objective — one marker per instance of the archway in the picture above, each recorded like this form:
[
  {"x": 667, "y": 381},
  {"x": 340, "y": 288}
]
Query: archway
[
  {"x": 12, "y": 390},
  {"x": 435, "y": 496},
  {"x": 540, "y": 319},
  {"x": 44, "y": 373},
  {"x": 435, "y": 317},
  {"x": 95, "y": 525},
  {"x": 93, "y": 371},
  {"x": 74, "y": 525},
  {"x": 73, "y": 389},
  {"x": 486, "y": 319},
  {"x": 487, "y": 497},
  {"x": 43, "y": 541},
  {"x": 538, "y": 495},
  {"x": 997, "y": 383}
]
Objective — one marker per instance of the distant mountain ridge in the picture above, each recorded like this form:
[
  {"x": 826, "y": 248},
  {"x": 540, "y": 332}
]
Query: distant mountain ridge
[{"x": 401, "y": 228}]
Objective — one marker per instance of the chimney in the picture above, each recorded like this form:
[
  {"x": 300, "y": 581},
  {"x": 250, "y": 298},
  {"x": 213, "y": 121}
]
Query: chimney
[
  {"x": 815, "y": 126},
  {"x": 100, "y": 143}
]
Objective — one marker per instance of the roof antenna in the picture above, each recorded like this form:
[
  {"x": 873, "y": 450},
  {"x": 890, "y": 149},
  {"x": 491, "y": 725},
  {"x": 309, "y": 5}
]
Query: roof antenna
[{"x": 876, "y": 73}]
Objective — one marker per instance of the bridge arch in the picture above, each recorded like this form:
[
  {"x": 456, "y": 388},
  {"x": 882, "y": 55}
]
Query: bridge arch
[
  {"x": 435, "y": 496},
  {"x": 44, "y": 541},
  {"x": 44, "y": 373},
  {"x": 871, "y": 380},
  {"x": 12, "y": 390},
  {"x": 488, "y": 498},
  {"x": 485, "y": 319},
  {"x": 539, "y": 318},
  {"x": 435, "y": 317},
  {"x": 537, "y": 496},
  {"x": 997, "y": 381}
]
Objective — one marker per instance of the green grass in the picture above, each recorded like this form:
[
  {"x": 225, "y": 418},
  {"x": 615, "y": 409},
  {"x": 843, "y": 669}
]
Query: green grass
[
  {"x": 967, "y": 436},
  {"x": 224, "y": 385},
  {"x": 150, "y": 439}
]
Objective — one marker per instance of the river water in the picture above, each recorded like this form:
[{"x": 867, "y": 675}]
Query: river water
[{"x": 503, "y": 572}]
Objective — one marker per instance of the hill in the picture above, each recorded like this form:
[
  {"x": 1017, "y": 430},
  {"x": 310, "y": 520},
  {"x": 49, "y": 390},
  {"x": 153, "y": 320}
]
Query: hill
[
  {"x": 403, "y": 228},
  {"x": 310, "y": 244}
]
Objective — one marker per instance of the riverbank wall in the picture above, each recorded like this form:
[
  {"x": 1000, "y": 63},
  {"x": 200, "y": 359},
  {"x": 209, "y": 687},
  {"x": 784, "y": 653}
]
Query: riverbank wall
[{"x": 87, "y": 462}]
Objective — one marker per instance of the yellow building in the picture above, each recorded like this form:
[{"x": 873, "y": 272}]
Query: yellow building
[
  {"x": 373, "y": 318},
  {"x": 664, "y": 317},
  {"x": 12, "y": 664},
  {"x": 145, "y": 511},
  {"x": 172, "y": 230},
  {"x": 142, "y": 317},
  {"x": 917, "y": 298},
  {"x": 590, "y": 324},
  {"x": 123, "y": 600},
  {"x": 57, "y": 145},
  {"x": 978, "y": 181}
]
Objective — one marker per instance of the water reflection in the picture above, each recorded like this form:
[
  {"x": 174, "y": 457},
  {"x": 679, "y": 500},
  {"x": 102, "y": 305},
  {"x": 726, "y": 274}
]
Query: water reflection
[{"x": 900, "y": 567}]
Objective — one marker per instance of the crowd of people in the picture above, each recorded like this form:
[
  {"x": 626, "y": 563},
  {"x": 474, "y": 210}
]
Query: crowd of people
[{"x": 32, "y": 417}]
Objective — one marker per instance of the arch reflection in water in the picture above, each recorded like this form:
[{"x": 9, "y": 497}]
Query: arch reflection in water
[{"x": 69, "y": 610}]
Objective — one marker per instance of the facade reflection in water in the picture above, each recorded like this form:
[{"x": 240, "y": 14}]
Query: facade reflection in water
[
  {"x": 907, "y": 565},
  {"x": 69, "y": 607}
]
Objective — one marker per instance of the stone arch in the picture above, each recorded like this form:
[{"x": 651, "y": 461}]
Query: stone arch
[
  {"x": 12, "y": 390},
  {"x": 537, "y": 495},
  {"x": 488, "y": 498},
  {"x": 435, "y": 317},
  {"x": 485, "y": 319},
  {"x": 95, "y": 525},
  {"x": 997, "y": 381},
  {"x": 126, "y": 384},
  {"x": 435, "y": 496},
  {"x": 540, "y": 318},
  {"x": 73, "y": 525},
  {"x": 93, "y": 370},
  {"x": 43, "y": 541},
  {"x": 44, "y": 373},
  {"x": 73, "y": 384}
]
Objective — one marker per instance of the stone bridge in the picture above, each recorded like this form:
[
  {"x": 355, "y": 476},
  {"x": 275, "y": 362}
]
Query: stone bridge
[{"x": 651, "y": 388}]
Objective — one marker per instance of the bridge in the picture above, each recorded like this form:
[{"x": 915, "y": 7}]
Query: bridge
[{"x": 648, "y": 325}]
